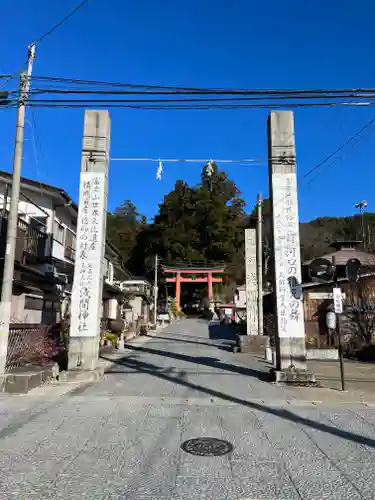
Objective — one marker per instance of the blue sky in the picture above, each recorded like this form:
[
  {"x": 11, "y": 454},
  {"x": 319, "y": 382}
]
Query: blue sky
[{"x": 200, "y": 43}]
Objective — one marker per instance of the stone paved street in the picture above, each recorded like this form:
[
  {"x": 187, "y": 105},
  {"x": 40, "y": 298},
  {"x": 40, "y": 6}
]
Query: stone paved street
[{"x": 120, "y": 438}]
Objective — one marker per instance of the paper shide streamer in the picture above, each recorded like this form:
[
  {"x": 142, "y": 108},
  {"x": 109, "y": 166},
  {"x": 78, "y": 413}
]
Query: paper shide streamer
[{"x": 159, "y": 170}]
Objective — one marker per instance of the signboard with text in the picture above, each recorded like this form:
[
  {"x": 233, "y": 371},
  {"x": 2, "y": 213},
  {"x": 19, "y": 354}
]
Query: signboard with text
[
  {"x": 88, "y": 279},
  {"x": 287, "y": 254},
  {"x": 251, "y": 282},
  {"x": 337, "y": 300}
]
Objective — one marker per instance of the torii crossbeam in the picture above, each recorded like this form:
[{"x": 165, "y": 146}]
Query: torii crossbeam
[{"x": 188, "y": 274}]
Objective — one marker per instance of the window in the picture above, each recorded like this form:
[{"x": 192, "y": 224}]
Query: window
[
  {"x": 70, "y": 239},
  {"x": 47, "y": 305},
  {"x": 50, "y": 306},
  {"x": 58, "y": 232},
  {"x": 108, "y": 271},
  {"x": 105, "y": 268},
  {"x": 34, "y": 303},
  {"x": 70, "y": 244},
  {"x": 39, "y": 223}
]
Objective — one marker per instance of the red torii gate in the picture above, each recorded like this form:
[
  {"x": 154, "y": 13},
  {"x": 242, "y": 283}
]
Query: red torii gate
[{"x": 179, "y": 278}]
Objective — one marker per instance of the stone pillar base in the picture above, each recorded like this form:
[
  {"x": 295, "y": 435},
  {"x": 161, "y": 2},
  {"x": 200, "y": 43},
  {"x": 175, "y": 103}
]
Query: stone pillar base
[
  {"x": 83, "y": 353},
  {"x": 291, "y": 366},
  {"x": 291, "y": 352},
  {"x": 296, "y": 377}
]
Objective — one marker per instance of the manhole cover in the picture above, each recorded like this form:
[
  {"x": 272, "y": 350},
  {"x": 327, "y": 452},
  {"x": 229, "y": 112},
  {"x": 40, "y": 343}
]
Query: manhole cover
[{"x": 207, "y": 447}]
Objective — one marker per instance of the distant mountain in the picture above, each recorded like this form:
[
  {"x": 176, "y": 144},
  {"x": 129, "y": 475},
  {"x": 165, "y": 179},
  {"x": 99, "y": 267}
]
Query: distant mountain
[{"x": 317, "y": 235}]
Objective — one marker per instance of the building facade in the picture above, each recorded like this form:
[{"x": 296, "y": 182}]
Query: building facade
[
  {"x": 139, "y": 300},
  {"x": 45, "y": 255},
  {"x": 317, "y": 296}
]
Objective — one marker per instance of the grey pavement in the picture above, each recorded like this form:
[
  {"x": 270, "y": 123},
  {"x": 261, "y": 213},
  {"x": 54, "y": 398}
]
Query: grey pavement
[{"x": 121, "y": 438}]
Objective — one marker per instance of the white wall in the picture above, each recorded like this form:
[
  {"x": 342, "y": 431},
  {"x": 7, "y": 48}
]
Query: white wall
[
  {"x": 128, "y": 315},
  {"x": 58, "y": 250},
  {"x": 63, "y": 215},
  {"x": 31, "y": 316},
  {"x": 136, "y": 304},
  {"x": 108, "y": 271},
  {"x": 110, "y": 308},
  {"x": 67, "y": 217},
  {"x": 21, "y": 315},
  {"x": 27, "y": 208},
  {"x": 146, "y": 311},
  {"x": 17, "y": 308},
  {"x": 240, "y": 299},
  {"x": 140, "y": 308}
]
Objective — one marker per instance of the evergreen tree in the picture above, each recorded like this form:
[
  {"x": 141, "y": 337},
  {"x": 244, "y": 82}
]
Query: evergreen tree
[
  {"x": 200, "y": 224},
  {"x": 123, "y": 225}
]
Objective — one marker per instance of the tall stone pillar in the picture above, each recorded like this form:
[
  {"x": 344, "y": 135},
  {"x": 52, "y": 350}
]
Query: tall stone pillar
[
  {"x": 251, "y": 282},
  {"x": 291, "y": 349},
  {"x": 86, "y": 306}
]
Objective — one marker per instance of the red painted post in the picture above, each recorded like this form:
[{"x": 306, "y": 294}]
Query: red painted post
[
  {"x": 178, "y": 290},
  {"x": 210, "y": 287}
]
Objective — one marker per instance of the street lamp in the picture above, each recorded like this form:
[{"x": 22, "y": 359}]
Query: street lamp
[{"x": 361, "y": 205}]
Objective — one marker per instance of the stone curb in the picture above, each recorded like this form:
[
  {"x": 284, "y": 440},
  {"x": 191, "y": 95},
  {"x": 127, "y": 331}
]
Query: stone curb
[
  {"x": 118, "y": 353},
  {"x": 77, "y": 377}
]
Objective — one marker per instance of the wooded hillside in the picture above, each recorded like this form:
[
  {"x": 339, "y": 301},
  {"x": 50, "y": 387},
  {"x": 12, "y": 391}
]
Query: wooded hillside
[
  {"x": 318, "y": 234},
  {"x": 205, "y": 224}
]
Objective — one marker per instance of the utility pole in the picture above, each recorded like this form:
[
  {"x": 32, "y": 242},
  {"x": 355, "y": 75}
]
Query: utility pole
[
  {"x": 338, "y": 332},
  {"x": 7, "y": 284},
  {"x": 260, "y": 262},
  {"x": 156, "y": 290},
  {"x": 361, "y": 205}
]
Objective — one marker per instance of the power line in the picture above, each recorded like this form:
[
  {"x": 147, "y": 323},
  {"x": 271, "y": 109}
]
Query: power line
[
  {"x": 8, "y": 78},
  {"x": 36, "y": 141},
  {"x": 244, "y": 94},
  {"x": 335, "y": 160},
  {"x": 11, "y": 104},
  {"x": 109, "y": 84},
  {"x": 327, "y": 167},
  {"x": 37, "y": 135},
  {"x": 165, "y": 105},
  {"x": 162, "y": 101},
  {"x": 47, "y": 33},
  {"x": 50, "y": 31},
  {"x": 351, "y": 139},
  {"x": 174, "y": 90},
  {"x": 185, "y": 160},
  {"x": 172, "y": 104},
  {"x": 205, "y": 98},
  {"x": 200, "y": 89}
]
